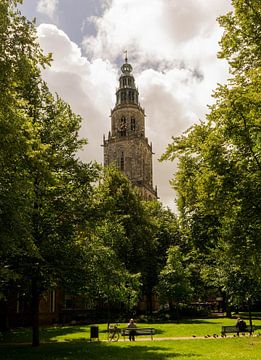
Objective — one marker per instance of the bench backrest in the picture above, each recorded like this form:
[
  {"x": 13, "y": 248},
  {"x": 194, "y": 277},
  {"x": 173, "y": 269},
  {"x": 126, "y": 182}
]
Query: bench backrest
[
  {"x": 138, "y": 331},
  {"x": 227, "y": 329}
]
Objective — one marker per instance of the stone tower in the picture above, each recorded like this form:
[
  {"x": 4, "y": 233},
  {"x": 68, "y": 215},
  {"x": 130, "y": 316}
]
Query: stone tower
[{"x": 126, "y": 146}]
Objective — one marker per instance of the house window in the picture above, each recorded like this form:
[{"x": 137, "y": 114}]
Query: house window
[
  {"x": 68, "y": 302},
  {"x": 133, "y": 124}
]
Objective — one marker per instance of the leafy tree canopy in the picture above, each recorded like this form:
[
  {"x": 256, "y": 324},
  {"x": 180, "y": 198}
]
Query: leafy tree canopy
[{"x": 218, "y": 175}]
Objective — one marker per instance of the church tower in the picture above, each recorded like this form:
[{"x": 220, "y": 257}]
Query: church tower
[{"x": 126, "y": 146}]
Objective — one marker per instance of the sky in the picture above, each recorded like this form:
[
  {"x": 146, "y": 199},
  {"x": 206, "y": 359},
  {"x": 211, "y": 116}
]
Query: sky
[{"x": 172, "y": 46}]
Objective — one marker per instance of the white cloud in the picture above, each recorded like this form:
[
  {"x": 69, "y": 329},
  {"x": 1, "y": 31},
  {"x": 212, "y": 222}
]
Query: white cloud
[
  {"x": 156, "y": 29},
  {"x": 172, "y": 46},
  {"x": 47, "y": 7},
  {"x": 87, "y": 86}
]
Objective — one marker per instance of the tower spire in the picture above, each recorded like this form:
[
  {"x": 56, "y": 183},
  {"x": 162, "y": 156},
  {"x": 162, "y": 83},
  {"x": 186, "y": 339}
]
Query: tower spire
[{"x": 127, "y": 146}]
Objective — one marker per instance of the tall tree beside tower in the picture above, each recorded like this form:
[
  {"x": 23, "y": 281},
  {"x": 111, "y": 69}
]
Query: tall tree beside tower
[{"x": 219, "y": 169}]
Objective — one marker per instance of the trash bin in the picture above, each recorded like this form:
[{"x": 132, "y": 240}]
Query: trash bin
[{"x": 94, "y": 332}]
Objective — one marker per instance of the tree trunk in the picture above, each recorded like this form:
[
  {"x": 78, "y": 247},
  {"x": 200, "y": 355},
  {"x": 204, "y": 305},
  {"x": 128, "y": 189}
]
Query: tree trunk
[
  {"x": 177, "y": 313},
  {"x": 250, "y": 315},
  {"x": 149, "y": 302},
  {"x": 4, "y": 324},
  {"x": 35, "y": 314},
  {"x": 171, "y": 309}
]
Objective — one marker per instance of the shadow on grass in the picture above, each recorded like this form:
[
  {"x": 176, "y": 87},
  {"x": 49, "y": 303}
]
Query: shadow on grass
[
  {"x": 197, "y": 321},
  {"x": 24, "y": 335},
  {"x": 89, "y": 351},
  {"x": 47, "y": 334}
]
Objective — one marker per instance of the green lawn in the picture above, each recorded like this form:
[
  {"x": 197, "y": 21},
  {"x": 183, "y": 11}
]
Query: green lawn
[
  {"x": 214, "y": 349},
  {"x": 186, "y": 328},
  {"x": 72, "y": 343}
]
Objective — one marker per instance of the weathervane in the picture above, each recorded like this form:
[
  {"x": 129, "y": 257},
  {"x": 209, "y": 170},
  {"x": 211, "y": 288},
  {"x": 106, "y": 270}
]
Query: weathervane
[{"x": 126, "y": 55}]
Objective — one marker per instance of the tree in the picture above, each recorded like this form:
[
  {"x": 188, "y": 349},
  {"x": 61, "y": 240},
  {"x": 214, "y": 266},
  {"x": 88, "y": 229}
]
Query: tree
[
  {"x": 45, "y": 189},
  {"x": 174, "y": 285},
  {"x": 19, "y": 57},
  {"x": 14, "y": 125},
  {"x": 107, "y": 278},
  {"x": 119, "y": 203},
  {"x": 218, "y": 174},
  {"x": 164, "y": 230}
]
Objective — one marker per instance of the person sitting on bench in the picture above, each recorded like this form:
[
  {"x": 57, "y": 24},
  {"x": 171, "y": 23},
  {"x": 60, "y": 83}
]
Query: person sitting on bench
[
  {"x": 241, "y": 325},
  {"x": 131, "y": 325}
]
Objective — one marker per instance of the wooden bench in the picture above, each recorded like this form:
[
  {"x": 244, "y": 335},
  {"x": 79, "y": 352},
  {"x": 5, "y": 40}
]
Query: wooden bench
[
  {"x": 235, "y": 329},
  {"x": 138, "y": 331}
]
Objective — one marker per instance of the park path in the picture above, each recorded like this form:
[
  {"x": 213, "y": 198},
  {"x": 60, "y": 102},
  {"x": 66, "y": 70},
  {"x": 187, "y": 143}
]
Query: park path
[
  {"x": 138, "y": 339},
  {"x": 180, "y": 338}
]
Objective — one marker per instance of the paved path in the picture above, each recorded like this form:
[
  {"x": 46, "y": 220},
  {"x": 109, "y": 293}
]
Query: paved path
[
  {"x": 181, "y": 338},
  {"x": 140, "y": 339}
]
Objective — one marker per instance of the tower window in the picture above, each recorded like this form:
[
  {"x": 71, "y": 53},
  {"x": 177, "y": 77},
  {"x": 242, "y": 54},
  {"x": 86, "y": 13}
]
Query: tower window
[
  {"x": 123, "y": 96},
  {"x": 123, "y": 126},
  {"x": 122, "y": 161},
  {"x": 131, "y": 96},
  {"x": 133, "y": 124}
]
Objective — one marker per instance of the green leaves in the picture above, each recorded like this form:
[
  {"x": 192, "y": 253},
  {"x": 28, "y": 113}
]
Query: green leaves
[
  {"x": 218, "y": 177},
  {"x": 44, "y": 189},
  {"x": 240, "y": 44},
  {"x": 174, "y": 284}
]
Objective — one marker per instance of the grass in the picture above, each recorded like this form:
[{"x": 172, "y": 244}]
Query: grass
[
  {"x": 214, "y": 349},
  {"x": 186, "y": 328},
  {"x": 69, "y": 343}
]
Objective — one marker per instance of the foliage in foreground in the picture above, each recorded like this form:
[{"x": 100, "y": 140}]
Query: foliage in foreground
[{"x": 44, "y": 187}]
